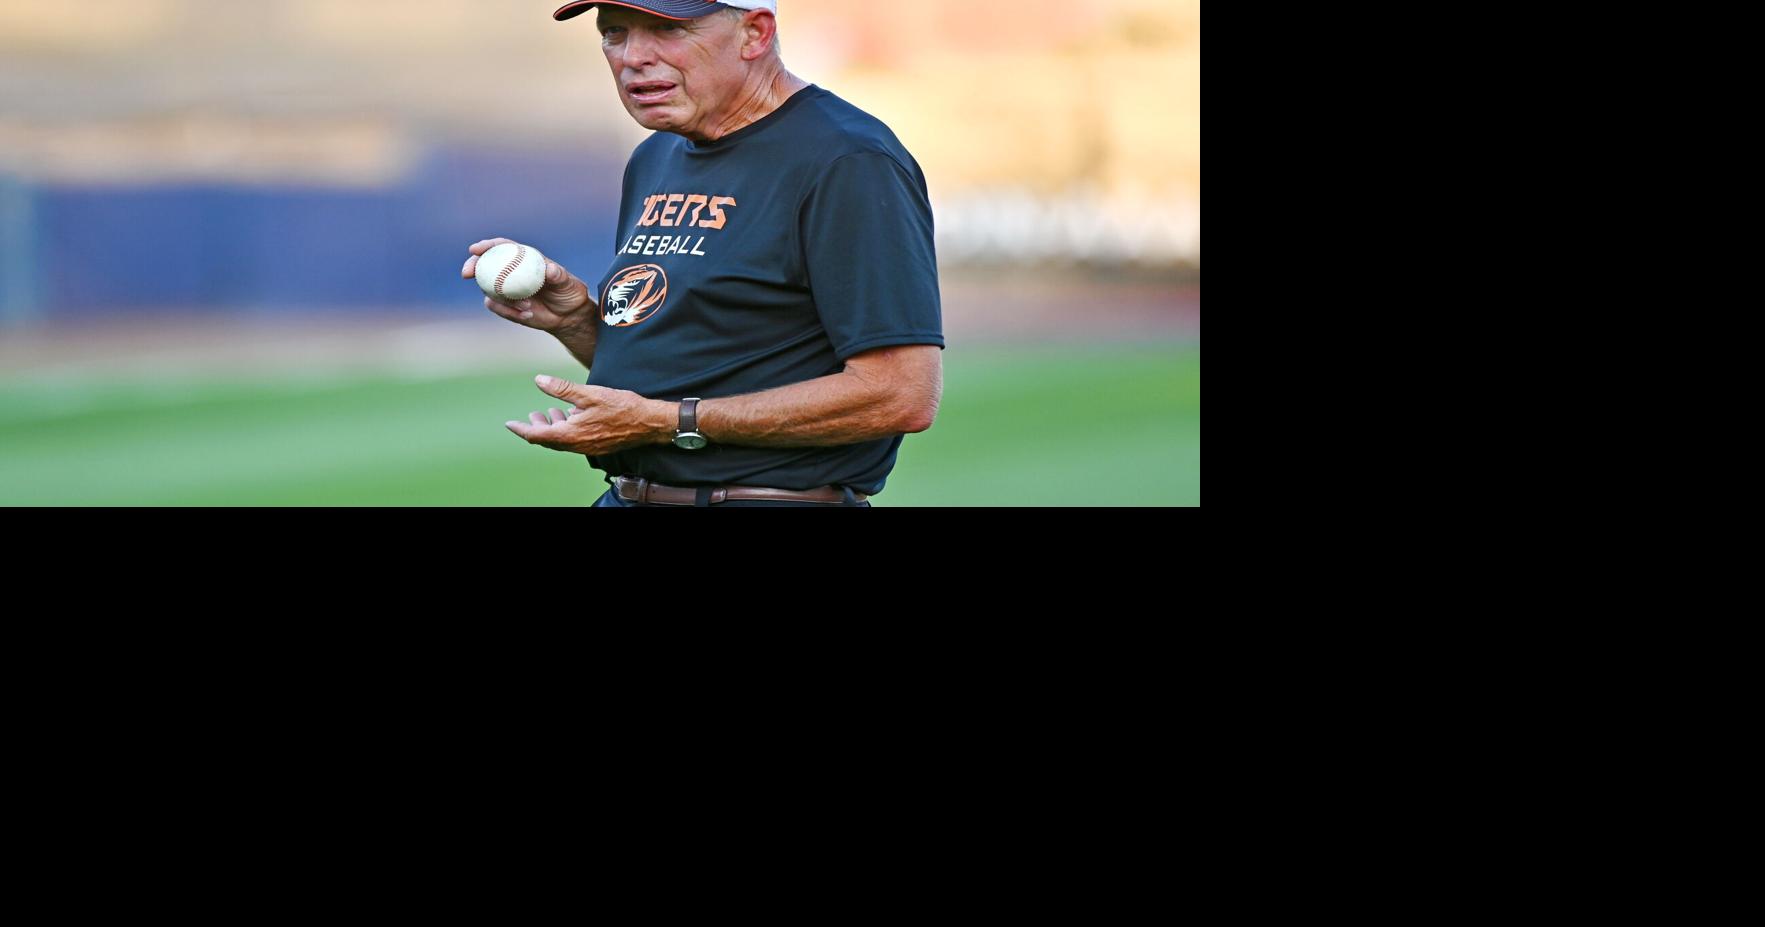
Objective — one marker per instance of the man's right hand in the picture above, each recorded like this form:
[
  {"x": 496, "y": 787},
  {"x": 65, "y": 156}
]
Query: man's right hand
[{"x": 563, "y": 302}]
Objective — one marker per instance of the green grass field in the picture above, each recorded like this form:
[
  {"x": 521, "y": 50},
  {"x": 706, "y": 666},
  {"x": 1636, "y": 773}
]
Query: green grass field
[{"x": 1032, "y": 425}]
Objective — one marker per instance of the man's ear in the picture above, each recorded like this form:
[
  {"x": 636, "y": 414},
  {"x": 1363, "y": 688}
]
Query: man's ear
[{"x": 757, "y": 27}]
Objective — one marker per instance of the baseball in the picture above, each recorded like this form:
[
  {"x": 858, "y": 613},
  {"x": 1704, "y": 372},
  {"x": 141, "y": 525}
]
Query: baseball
[{"x": 509, "y": 272}]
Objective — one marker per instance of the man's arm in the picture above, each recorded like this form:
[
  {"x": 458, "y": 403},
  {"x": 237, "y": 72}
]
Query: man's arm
[
  {"x": 881, "y": 393},
  {"x": 580, "y": 339}
]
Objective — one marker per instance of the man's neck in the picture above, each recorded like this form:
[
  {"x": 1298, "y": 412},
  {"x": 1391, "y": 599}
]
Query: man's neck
[{"x": 766, "y": 92}]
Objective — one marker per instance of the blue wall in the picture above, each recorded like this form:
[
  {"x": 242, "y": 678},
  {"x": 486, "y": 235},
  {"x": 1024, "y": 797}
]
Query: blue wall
[{"x": 275, "y": 249}]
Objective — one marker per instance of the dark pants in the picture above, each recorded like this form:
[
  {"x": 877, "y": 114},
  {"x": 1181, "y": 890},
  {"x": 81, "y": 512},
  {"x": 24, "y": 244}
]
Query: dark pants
[{"x": 611, "y": 500}]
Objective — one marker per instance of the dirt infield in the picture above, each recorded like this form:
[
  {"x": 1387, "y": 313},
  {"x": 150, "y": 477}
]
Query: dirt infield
[{"x": 979, "y": 308}]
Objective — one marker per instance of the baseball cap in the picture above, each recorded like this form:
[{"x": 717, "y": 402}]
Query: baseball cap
[{"x": 670, "y": 9}]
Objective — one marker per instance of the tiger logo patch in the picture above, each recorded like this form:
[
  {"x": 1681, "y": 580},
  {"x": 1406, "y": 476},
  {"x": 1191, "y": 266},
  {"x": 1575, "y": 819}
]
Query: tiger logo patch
[{"x": 634, "y": 294}]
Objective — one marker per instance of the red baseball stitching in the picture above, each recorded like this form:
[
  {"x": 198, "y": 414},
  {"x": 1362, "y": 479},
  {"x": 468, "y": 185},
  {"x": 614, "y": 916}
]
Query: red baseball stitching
[{"x": 520, "y": 254}]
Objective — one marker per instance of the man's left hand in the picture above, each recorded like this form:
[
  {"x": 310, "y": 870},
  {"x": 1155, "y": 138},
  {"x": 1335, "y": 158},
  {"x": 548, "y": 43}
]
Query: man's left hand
[{"x": 599, "y": 420}]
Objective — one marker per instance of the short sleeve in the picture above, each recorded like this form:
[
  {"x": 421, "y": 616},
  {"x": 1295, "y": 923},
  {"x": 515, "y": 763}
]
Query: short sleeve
[{"x": 866, "y": 229}]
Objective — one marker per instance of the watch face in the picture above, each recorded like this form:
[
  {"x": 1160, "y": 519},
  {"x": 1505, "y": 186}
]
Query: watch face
[{"x": 690, "y": 442}]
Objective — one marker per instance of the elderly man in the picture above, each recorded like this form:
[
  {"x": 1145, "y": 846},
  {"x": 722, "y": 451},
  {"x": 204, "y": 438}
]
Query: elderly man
[{"x": 769, "y": 327}]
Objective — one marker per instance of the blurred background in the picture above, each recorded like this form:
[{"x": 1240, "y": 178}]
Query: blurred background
[{"x": 231, "y": 234}]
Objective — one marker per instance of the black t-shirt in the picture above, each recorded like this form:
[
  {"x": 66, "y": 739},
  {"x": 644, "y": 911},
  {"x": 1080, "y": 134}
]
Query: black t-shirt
[{"x": 765, "y": 258}]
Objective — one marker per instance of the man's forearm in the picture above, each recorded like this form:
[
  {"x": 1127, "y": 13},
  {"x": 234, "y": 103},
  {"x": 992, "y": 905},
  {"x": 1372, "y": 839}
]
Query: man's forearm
[
  {"x": 837, "y": 409},
  {"x": 580, "y": 340}
]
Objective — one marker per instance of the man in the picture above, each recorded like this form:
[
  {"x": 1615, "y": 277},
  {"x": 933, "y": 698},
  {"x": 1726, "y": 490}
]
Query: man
[{"x": 770, "y": 327}]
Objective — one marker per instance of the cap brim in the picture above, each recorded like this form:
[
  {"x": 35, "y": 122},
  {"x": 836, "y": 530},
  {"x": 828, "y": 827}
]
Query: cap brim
[{"x": 667, "y": 9}]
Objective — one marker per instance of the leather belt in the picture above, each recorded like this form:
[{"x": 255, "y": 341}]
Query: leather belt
[{"x": 638, "y": 489}]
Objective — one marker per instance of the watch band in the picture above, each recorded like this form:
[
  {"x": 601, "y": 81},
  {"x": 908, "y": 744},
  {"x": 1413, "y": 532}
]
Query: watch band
[{"x": 689, "y": 415}]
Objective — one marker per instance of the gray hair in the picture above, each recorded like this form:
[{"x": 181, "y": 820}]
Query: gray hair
[{"x": 731, "y": 12}]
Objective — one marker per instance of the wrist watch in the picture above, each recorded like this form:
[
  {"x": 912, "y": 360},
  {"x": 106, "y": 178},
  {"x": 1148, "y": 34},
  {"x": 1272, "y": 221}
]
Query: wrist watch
[{"x": 687, "y": 436}]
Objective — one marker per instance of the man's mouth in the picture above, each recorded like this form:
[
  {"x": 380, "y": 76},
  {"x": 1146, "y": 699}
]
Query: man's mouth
[{"x": 650, "y": 91}]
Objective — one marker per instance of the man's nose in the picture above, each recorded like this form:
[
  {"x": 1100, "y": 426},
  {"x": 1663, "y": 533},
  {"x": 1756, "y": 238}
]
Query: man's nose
[{"x": 638, "y": 49}]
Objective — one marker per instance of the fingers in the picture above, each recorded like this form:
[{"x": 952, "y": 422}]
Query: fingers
[
  {"x": 557, "y": 386},
  {"x": 533, "y": 430},
  {"x": 507, "y": 311},
  {"x": 477, "y": 249}
]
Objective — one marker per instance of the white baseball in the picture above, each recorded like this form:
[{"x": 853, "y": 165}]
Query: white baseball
[{"x": 509, "y": 272}]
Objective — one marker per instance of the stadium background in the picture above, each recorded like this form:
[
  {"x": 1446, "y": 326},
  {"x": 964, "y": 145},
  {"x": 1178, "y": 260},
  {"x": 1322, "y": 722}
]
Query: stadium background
[{"x": 230, "y": 237}]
